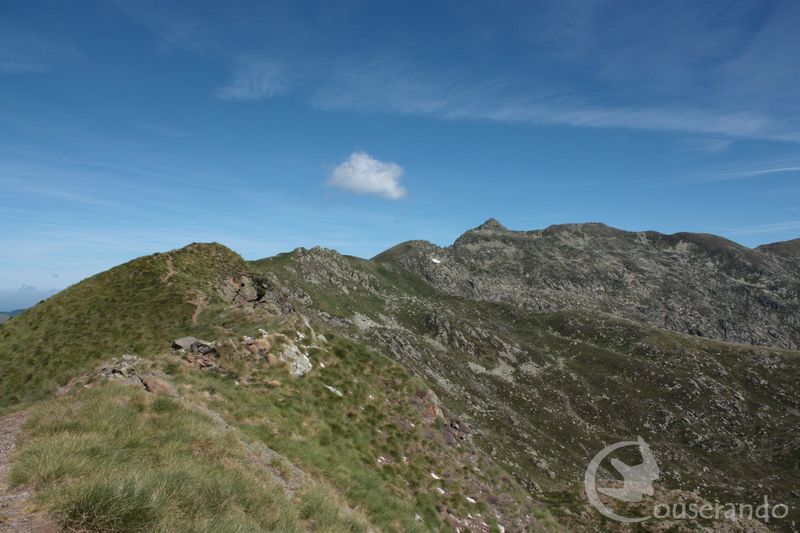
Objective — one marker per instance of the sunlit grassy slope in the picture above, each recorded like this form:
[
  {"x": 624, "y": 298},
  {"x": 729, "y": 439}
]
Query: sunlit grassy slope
[
  {"x": 541, "y": 390},
  {"x": 114, "y": 458},
  {"x": 133, "y": 308},
  {"x": 547, "y": 388}
]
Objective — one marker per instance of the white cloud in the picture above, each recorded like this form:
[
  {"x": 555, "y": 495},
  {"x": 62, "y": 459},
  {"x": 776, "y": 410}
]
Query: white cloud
[
  {"x": 362, "y": 174},
  {"x": 255, "y": 79}
]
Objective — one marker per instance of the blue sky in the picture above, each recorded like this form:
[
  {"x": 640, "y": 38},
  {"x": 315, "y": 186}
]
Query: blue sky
[{"x": 129, "y": 127}]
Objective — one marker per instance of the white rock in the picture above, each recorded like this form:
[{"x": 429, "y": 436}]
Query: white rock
[
  {"x": 434, "y": 476},
  {"x": 471, "y": 500},
  {"x": 334, "y": 390},
  {"x": 299, "y": 363}
]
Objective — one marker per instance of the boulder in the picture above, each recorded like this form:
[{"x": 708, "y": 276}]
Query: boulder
[
  {"x": 158, "y": 383},
  {"x": 239, "y": 290},
  {"x": 124, "y": 370},
  {"x": 247, "y": 290},
  {"x": 298, "y": 362},
  {"x": 184, "y": 343},
  {"x": 194, "y": 345},
  {"x": 121, "y": 369},
  {"x": 205, "y": 348}
]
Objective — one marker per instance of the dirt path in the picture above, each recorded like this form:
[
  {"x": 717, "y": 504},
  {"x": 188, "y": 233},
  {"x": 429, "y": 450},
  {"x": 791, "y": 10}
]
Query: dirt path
[
  {"x": 165, "y": 277},
  {"x": 15, "y": 514},
  {"x": 200, "y": 302}
]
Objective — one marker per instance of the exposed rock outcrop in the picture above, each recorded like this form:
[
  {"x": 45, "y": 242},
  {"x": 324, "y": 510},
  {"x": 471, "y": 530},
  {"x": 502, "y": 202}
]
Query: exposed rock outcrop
[{"x": 692, "y": 283}]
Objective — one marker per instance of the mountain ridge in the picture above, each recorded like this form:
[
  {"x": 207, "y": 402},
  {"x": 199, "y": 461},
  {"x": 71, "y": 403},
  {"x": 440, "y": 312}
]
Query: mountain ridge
[
  {"x": 515, "y": 396},
  {"x": 717, "y": 284},
  {"x": 542, "y": 388}
]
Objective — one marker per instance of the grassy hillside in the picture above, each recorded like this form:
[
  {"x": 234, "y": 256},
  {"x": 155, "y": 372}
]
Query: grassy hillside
[
  {"x": 369, "y": 444},
  {"x": 361, "y": 442},
  {"x": 374, "y": 456},
  {"x": 133, "y": 308},
  {"x": 545, "y": 389},
  {"x": 115, "y": 458}
]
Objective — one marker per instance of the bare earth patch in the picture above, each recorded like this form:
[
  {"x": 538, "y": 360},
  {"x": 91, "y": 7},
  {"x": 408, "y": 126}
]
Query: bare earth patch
[
  {"x": 200, "y": 302},
  {"x": 165, "y": 277},
  {"x": 15, "y": 513}
]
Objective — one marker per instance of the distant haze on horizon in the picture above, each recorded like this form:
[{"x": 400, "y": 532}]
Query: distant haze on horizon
[
  {"x": 14, "y": 300},
  {"x": 131, "y": 127}
]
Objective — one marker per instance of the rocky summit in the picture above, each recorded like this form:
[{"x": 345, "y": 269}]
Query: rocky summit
[
  {"x": 692, "y": 283},
  {"x": 457, "y": 388}
]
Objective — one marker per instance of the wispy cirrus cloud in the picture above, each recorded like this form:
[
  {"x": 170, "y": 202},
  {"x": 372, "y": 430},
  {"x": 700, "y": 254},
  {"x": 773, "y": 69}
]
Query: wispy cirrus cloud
[
  {"x": 775, "y": 170},
  {"x": 176, "y": 28},
  {"x": 28, "y": 52},
  {"x": 400, "y": 89},
  {"x": 255, "y": 78},
  {"x": 396, "y": 86},
  {"x": 698, "y": 68},
  {"x": 709, "y": 145},
  {"x": 778, "y": 227},
  {"x": 752, "y": 173}
]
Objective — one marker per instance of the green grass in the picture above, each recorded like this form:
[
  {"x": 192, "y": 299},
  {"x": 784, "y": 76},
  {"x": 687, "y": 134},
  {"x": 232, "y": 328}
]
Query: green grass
[
  {"x": 133, "y": 308},
  {"x": 602, "y": 380},
  {"x": 341, "y": 439},
  {"x": 115, "y": 459}
]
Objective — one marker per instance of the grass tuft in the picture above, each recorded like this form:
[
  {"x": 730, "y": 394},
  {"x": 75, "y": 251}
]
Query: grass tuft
[{"x": 115, "y": 460}]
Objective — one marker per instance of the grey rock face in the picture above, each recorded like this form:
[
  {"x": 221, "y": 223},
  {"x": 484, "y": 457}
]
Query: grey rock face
[
  {"x": 184, "y": 343},
  {"x": 692, "y": 283},
  {"x": 241, "y": 290},
  {"x": 128, "y": 370},
  {"x": 543, "y": 391},
  {"x": 192, "y": 344},
  {"x": 299, "y": 363}
]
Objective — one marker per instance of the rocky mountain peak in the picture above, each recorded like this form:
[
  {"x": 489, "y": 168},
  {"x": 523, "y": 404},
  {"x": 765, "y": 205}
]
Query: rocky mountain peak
[
  {"x": 492, "y": 224},
  {"x": 693, "y": 283},
  {"x": 590, "y": 229}
]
